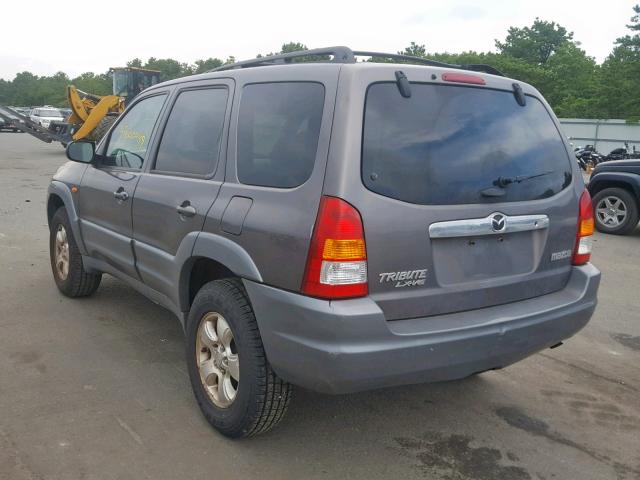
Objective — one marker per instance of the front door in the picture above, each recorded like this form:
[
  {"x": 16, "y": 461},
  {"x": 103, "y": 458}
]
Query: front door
[
  {"x": 106, "y": 191},
  {"x": 181, "y": 183}
]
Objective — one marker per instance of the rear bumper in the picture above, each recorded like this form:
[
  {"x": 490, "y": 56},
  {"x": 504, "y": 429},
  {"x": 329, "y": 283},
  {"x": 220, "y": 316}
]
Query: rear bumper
[{"x": 347, "y": 346}]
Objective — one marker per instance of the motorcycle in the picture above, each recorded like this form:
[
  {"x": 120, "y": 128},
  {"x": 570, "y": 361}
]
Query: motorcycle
[
  {"x": 623, "y": 153},
  {"x": 588, "y": 157}
]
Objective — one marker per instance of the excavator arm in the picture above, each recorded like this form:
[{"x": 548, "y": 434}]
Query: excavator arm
[{"x": 88, "y": 110}]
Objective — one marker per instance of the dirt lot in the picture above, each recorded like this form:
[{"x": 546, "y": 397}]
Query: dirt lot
[{"x": 97, "y": 388}]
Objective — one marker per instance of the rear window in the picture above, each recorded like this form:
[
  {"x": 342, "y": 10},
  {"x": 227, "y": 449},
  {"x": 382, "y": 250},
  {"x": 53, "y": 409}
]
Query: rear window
[
  {"x": 278, "y": 132},
  {"x": 191, "y": 140},
  {"x": 450, "y": 145}
]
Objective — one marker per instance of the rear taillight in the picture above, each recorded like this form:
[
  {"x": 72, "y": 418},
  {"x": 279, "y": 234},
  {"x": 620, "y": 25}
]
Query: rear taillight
[
  {"x": 584, "y": 236},
  {"x": 337, "y": 262}
]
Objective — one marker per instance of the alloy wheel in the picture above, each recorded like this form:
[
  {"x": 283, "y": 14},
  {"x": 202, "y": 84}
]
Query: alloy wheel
[
  {"x": 611, "y": 212},
  {"x": 62, "y": 253},
  {"x": 217, "y": 359}
]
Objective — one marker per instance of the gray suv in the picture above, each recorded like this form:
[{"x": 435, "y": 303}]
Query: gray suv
[{"x": 336, "y": 225}]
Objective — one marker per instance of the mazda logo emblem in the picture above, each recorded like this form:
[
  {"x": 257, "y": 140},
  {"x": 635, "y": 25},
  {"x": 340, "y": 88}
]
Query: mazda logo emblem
[{"x": 498, "y": 222}]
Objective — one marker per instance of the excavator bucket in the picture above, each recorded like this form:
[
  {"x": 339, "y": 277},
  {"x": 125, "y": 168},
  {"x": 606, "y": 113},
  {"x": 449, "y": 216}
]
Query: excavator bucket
[{"x": 107, "y": 104}]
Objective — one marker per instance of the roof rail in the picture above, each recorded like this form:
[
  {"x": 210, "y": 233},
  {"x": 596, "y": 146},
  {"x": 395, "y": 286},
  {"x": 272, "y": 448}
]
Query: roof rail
[
  {"x": 339, "y": 54},
  {"x": 346, "y": 55}
]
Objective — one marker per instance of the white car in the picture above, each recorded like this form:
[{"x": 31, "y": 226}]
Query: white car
[{"x": 45, "y": 115}]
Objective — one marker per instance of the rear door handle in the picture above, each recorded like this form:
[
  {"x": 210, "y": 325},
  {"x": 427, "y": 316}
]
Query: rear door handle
[
  {"x": 121, "y": 194},
  {"x": 186, "y": 209}
]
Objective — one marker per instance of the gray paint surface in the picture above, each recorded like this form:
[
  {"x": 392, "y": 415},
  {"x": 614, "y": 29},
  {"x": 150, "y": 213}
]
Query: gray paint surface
[{"x": 97, "y": 388}]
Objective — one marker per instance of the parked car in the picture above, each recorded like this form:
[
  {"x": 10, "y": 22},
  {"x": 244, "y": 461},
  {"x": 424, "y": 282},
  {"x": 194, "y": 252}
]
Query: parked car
[
  {"x": 615, "y": 187},
  {"x": 43, "y": 116},
  {"x": 4, "y": 126},
  {"x": 341, "y": 226},
  {"x": 8, "y": 121}
]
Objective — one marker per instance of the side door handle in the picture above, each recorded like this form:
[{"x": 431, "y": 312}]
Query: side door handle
[
  {"x": 121, "y": 194},
  {"x": 185, "y": 209}
]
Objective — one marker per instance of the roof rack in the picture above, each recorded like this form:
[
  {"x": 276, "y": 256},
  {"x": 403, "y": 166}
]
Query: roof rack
[{"x": 346, "y": 55}]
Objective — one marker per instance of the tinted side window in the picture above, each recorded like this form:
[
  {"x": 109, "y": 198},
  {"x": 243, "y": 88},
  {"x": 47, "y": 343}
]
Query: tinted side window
[
  {"x": 278, "y": 132},
  {"x": 191, "y": 139},
  {"x": 129, "y": 140},
  {"x": 448, "y": 145}
]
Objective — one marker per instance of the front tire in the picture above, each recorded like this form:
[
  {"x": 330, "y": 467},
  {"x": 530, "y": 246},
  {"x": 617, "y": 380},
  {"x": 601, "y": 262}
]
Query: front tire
[
  {"x": 615, "y": 211},
  {"x": 234, "y": 385},
  {"x": 66, "y": 261},
  {"x": 102, "y": 128}
]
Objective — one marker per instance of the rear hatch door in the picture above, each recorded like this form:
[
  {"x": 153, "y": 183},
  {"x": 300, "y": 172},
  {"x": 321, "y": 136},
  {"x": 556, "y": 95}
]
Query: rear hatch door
[{"x": 466, "y": 201}]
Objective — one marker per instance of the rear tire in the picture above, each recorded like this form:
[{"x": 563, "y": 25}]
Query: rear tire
[
  {"x": 66, "y": 261},
  {"x": 625, "y": 206},
  {"x": 102, "y": 128},
  {"x": 256, "y": 399}
]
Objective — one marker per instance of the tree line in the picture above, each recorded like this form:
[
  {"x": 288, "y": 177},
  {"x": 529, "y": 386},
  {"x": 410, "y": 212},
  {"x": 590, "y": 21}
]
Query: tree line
[{"x": 544, "y": 54}]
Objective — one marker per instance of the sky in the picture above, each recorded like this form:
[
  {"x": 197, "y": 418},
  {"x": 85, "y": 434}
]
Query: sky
[{"x": 45, "y": 37}]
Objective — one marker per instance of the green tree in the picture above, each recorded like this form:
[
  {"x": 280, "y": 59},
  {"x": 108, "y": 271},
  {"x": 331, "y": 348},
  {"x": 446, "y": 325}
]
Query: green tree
[
  {"x": 202, "y": 66},
  {"x": 98, "y": 84},
  {"x": 414, "y": 50},
  {"x": 635, "y": 20},
  {"x": 293, "y": 47},
  {"x": 572, "y": 82},
  {"x": 543, "y": 55},
  {"x": 168, "y": 67},
  {"x": 534, "y": 44},
  {"x": 618, "y": 95}
]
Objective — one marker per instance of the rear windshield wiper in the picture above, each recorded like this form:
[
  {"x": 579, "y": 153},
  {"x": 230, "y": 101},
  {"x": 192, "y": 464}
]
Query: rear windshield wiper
[{"x": 502, "y": 182}]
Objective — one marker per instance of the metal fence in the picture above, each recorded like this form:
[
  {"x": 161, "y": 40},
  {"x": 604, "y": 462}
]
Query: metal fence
[{"x": 604, "y": 135}]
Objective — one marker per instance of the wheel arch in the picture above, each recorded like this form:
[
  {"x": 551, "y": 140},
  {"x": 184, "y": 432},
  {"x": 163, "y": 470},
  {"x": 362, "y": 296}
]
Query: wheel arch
[
  {"x": 54, "y": 202},
  {"x": 628, "y": 182},
  {"x": 213, "y": 257},
  {"x": 59, "y": 195}
]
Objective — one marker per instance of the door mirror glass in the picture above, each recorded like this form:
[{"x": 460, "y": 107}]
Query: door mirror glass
[{"x": 81, "y": 151}]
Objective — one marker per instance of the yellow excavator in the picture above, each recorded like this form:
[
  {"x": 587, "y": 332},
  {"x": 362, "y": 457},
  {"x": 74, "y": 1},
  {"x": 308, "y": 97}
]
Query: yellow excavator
[{"x": 91, "y": 115}]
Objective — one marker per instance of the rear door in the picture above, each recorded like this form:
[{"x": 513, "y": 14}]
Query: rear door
[
  {"x": 465, "y": 196},
  {"x": 172, "y": 198}
]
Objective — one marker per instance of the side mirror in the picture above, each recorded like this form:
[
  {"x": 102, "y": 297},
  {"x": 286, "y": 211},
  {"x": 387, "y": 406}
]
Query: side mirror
[{"x": 81, "y": 151}]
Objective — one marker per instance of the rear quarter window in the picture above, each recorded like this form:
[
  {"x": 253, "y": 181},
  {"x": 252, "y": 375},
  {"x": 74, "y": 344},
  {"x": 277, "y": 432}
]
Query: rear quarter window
[
  {"x": 278, "y": 133},
  {"x": 447, "y": 144}
]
